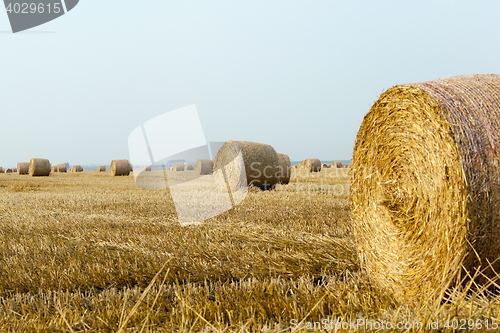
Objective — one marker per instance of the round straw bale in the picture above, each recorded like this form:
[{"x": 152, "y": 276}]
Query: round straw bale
[
  {"x": 23, "y": 168},
  {"x": 120, "y": 168},
  {"x": 77, "y": 168},
  {"x": 101, "y": 168},
  {"x": 311, "y": 165},
  {"x": 131, "y": 167},
  {"x": 425, "y": 185},
  {"x": 14, "y": 170},
  {"x": 283, "y": 169},
  {"x": 54, "y": 168},
  {"x": 338, "y": 164},
  {"x": 179, "y": 166},
  {"x": 2, "y": 170},
  {"x": 204, "y": 167},
  {"x": 8, "y": 170},
  {"x": 188, "y": 167},
  {"x": 146, "y": 167},
  {"x": 325, "y": 166},
  {"x": 39, "y": 167},
  {"x": 61, "y": 167},
  {"x": 260, "y": 162}
]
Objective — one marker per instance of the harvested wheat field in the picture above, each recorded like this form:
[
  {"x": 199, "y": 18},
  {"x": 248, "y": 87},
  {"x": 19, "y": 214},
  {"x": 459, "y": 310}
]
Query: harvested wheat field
[{"x": 110, "y": 256}]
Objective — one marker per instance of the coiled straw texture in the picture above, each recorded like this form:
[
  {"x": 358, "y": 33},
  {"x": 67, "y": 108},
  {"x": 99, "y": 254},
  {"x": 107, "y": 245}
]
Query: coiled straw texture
[{"x": 425, "y": 189}]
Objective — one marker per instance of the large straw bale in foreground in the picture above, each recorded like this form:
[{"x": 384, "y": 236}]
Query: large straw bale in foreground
[
  {"x": 61, "y": 167},
  {"x": 311, "y": 165},
  {"x": 255, "y": 162},
  {"x": 426, "y": 185},
  {"x": 120, "y": 168},
  {"x": 23, "y": 168},
  {"x": 204, "y": 167},
  {"x": 39, "y": 167}
]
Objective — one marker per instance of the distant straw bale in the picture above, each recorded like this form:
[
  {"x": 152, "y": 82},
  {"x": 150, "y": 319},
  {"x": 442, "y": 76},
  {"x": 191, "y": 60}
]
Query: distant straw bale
[
  {"x": 39, "y": 167},
  {"x": 61, "y": 167},
  {"x": 146, "y": 168},
  {"x": 247, "y": 162},
  {"x": 179, "y": 166},
  {"x": 77, "y": 168},
  {"x": 188, "y": 167},
  {"x": 120, "y": 168},
  {"x": 101, "y": 168},
  {"x": 54, "y": 168},
  {"x": 8, "y": 170},
  {"x": 2, "y": 170},
  {"x": 425, "y": 186},
  {"x": 131, "y": 167},
  {"x": 204, "y": 167},
  {"x": 14, "y": 170},
  {"x": 311, "y": 165},
  {"x": 23, "y": 168},
  {"x": 283, "y": 170},
  {"x": 325, "y": 166},
  {"x": 338, "y": 164}
]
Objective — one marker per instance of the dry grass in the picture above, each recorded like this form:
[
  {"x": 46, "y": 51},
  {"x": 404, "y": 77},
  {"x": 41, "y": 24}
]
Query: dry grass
[{"x": 90, "y": 252}]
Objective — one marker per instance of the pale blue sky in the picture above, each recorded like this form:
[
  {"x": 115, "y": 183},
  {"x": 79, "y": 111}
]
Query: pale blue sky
[{"x": 294, "y": 74}]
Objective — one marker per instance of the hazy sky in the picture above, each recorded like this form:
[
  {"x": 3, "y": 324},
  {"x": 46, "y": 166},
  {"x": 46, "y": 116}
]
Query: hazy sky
[{"x": 294, "y": 74}]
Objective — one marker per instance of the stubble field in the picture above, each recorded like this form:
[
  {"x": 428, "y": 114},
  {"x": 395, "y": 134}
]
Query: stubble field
[{"x": 90, "y": 252}]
